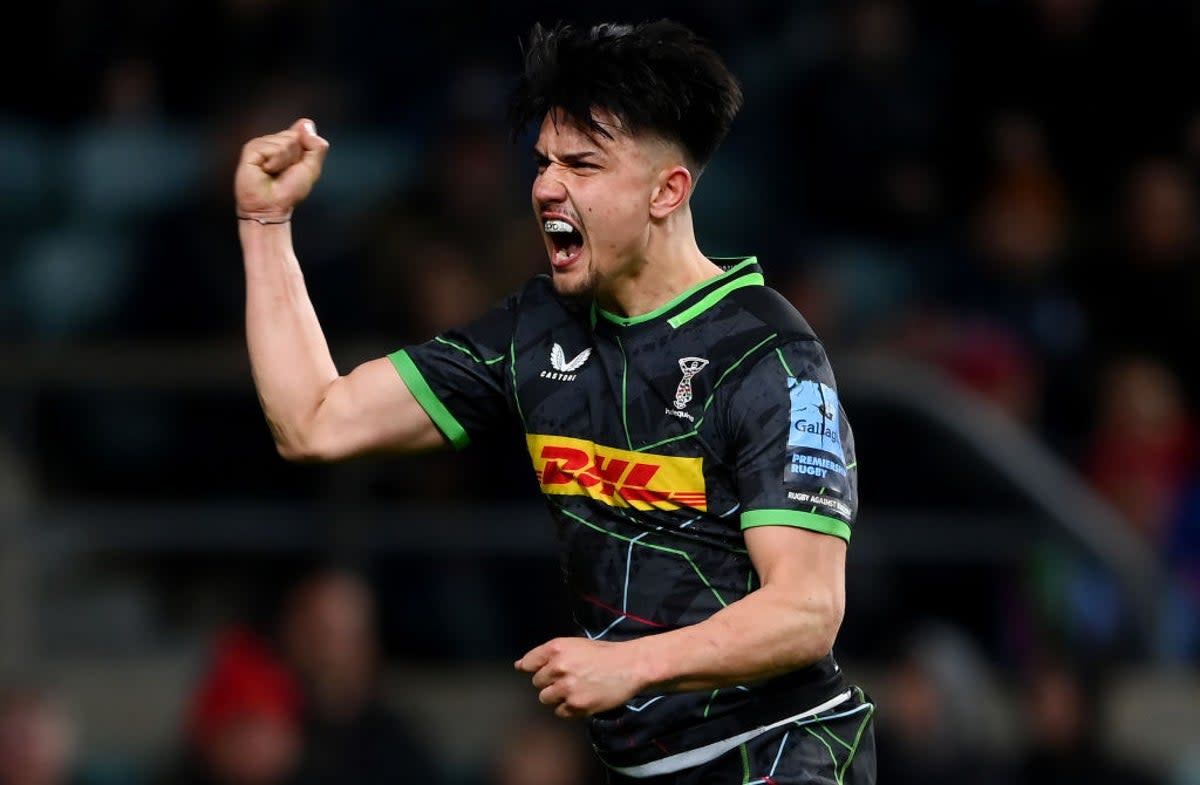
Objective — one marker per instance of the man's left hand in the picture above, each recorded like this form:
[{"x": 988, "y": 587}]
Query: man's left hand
[{"x": 579, "y": 677}]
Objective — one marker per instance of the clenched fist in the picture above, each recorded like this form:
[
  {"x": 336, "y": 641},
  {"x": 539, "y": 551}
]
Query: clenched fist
[
  {"x": 580, "y": 677},
  {"x": 276, "y": 172}
]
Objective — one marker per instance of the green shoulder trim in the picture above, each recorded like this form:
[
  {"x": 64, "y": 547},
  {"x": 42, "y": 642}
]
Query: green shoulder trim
[
  {"x": 798, "y": 518},
  {"x": 714, "y": 297},
  {"x": 728, "y": 275},
  {"x": 429, "y": 401}
]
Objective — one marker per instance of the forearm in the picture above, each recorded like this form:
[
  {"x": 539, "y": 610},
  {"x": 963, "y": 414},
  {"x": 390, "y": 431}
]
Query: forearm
[
  {"x": 289, "y": 356},
  {"x": 767, "y": 633}
]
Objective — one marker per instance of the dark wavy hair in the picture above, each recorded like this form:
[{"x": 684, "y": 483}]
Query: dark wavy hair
[{"x": 655, "y": 77}]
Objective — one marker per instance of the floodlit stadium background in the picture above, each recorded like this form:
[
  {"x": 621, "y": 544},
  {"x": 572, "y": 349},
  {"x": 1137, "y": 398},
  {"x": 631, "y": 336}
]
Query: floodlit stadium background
[{"x": 986, "y": 208}]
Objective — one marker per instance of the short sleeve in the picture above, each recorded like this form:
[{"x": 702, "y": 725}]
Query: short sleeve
[
  {"x": 460, "y": 377},
  {"x": 794, "y": 449}
]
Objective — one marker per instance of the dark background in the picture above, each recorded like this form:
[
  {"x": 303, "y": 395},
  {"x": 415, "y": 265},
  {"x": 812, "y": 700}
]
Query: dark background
[{"x": 986, "y": 208}]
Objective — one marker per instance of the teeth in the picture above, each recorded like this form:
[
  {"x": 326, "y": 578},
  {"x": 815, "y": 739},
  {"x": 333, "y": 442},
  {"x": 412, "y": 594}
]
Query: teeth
[
  {"x": 562, "y": 254},
  {"x": 555, "y": 225}
]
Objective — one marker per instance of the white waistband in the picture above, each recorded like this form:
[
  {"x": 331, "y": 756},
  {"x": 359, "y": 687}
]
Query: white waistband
[{"x": 690, "y": 758}]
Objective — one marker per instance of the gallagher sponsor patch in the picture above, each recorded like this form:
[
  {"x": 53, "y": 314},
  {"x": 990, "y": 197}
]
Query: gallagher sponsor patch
[
  {"x": 816, "y": 464},
  {"x": 815, "y": 420}
]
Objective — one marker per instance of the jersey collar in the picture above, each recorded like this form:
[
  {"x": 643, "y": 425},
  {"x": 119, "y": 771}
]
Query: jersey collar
[{"x": 739, "y": 271}]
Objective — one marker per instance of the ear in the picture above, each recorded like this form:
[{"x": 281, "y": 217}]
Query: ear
[{"x": 672, "y": 190}]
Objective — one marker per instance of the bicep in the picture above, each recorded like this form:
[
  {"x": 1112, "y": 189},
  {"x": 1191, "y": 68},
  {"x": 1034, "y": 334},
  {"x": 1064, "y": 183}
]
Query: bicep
[
  {"x": 808, "y": 566},
  {"x": 369, "y": 410}
]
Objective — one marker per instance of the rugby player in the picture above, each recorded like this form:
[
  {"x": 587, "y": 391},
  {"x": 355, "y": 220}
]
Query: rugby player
[{"x": 681, "y": 418}]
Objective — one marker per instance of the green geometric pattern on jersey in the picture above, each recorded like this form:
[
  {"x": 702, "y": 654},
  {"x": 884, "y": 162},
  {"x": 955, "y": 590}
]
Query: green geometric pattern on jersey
[{"x": 650, "y": 487}]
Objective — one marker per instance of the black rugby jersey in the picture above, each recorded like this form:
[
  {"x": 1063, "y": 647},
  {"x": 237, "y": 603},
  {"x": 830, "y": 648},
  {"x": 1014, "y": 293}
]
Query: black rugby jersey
[{"x": 656, "y": 440}]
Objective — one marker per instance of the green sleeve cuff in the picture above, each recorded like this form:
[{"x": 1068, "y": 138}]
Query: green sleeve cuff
[
  {"x": 429, "y": 401},
  {"x": 797, "y": 518}
]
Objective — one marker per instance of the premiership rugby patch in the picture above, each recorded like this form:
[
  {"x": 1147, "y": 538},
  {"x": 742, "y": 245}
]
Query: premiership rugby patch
[{"x": 816, "y": 462}]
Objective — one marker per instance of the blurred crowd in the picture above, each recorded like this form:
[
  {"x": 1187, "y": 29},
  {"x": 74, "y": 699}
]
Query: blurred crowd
[
  {"x": 296, "y": 699},
  {"x": 1003, "y": 190},
  {"x": 300, "y": 699}
]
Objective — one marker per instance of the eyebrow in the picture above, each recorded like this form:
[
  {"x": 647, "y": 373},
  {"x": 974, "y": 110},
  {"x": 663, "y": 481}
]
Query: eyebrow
[{"x": 567, "y": 158}]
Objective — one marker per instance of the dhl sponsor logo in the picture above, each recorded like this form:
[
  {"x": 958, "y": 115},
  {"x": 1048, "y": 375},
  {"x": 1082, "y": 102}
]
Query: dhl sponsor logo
[{"x": 620, "y": 478}]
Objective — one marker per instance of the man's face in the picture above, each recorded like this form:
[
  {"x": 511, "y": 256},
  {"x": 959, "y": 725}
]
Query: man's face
[
  {"x": 36, "y": 742},
  {"x": 329, "y": 634},
  {"x": 591, "y": 198},
  {"x": 254, "y": 749}
]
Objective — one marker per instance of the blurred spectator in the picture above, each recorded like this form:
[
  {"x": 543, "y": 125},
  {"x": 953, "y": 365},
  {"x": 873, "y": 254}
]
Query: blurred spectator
[
  {"x": 37, "y": 739},
  {"x": 931, "y": 727},
  {"x": 1088, "y": 73},
  {"x": 244, "y": 722},
  {"x": 1143, "y": 290},
  {"x": 1022, "y": 220},
  {"x": 1180, "y": 638},
  {"x": 541, "y": 749},
  {"x": 1014, "y": 293},
  {"x": 1143, "y": 459},
  {"x": 873, "y": 177},
  {"x": 993, "y": 363},
  {"x": 852, "y": 295},
  {"x": 1074, "y": 602},
  {"x": 351, "y": 734},
  {"x": 453, "y": 241},
  {"x": 983, "y": 355},
  {"x": 1063, "y": 719},
  {"x": 1143, "y": 445}
]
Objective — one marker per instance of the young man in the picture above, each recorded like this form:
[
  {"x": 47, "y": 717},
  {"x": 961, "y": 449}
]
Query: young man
[{"x": 681, "y": 418}]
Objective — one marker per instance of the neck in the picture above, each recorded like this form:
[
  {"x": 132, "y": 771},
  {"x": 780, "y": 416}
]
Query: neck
[{"x": 670, "y": 264}]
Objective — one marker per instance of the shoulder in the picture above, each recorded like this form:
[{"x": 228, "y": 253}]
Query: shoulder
[
  {"x": 772, "y": 313},
  {"x": 774, "y": 342},
  {"x": 756, "y": 322}
]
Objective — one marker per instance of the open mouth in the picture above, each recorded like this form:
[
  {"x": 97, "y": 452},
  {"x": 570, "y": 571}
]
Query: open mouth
[{"x": 566, "y": 240}]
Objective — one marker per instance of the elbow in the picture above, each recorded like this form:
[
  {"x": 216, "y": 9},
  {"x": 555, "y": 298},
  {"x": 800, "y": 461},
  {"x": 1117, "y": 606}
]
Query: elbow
[
  {"x": 823, "y": 640},
  {"x": 821, "y": 619},
  {"x": 306, "y": 451},
  {"x": 301, "y": 447},
  {"x": 304, "y": 440},
  {"x": 296, "y": 453}
]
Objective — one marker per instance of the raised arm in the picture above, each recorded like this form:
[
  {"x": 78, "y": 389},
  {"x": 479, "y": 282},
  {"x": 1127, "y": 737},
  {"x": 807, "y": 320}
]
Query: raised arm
[{"x": 315, "y": 414}]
